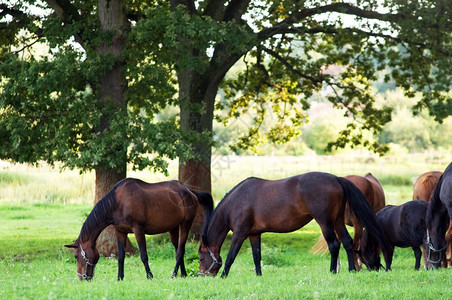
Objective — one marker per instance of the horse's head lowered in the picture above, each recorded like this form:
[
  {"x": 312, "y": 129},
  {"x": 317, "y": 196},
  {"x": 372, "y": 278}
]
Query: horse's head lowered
[
  {"x": 86, "y": 257},
  {"x": 209, "y": 261},
  {"x": 369, "y": 252},
  {"x": 435, "y": 248}
]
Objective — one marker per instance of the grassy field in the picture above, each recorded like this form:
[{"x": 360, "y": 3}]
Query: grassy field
[{"x": 41, "y": 209}]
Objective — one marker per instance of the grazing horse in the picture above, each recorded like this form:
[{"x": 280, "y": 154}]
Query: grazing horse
[
  {"x": 373, "y": 191},
  {"x": 257, "y": 205},
  {"x": 425, "y": 184},
  {"x": 438, "y": 218},
  {"x": 423, "y": 190},
  {"x": 142, "y": 208},
  {"x": 404, "y": 226}
]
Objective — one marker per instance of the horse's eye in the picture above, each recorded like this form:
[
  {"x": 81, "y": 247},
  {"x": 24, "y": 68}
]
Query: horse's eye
[
  {"x": 201, "y": 259},
  {"x": 76, "y": 257}
]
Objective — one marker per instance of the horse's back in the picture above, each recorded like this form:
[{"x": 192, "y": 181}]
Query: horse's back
[
  {"x": 425, "y": 184},
  {"x": 280, "y": 205},
  {"x": 378, "y": 192},
  {"x": 157, "y": 207},
  {"x": 404, "y": 224}
]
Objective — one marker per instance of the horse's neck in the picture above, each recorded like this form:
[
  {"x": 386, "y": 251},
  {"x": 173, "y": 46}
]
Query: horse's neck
[
  {"x": 437, "y": 213},
  {"x": 92, "y": 228},
  {"x": 217, "y": 230}
]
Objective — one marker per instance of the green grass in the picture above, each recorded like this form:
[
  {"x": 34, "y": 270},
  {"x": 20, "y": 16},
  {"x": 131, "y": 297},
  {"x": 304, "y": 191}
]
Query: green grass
[
  {"x": 35, "y": 265},
  {"x": 41, "y": 209}
]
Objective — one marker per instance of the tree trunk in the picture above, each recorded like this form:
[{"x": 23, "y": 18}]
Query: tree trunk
[
  {"x": 196, "y": 173},
  {"x": 111, "y": 93}
]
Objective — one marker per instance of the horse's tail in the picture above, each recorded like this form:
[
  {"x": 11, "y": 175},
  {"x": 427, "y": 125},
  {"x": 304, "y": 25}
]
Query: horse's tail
[
  {"x": 320, "y": 247},
  {"x": 364, "y": 214},
  {"x": 206, "y": 201}
]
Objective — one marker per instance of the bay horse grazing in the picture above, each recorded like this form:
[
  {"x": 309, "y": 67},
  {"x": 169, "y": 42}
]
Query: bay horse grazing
[
  {"x": 142, "y": 208},
  {"x": 438, "y": 218},
  {"x": 404, "y": 226},
  {"x": 425, "y": 184},
  {"x": 257, "y": 205},
  {"x": 373, "y": 191}
]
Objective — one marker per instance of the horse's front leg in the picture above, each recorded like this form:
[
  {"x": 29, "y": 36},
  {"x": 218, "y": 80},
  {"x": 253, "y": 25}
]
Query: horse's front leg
[
  {"x": 255, "y": 241},
  {"x": 141, "y": 240},
  {"x": 236, "y": 244},
  {"x": 121, "y": 240},
  {"x": 417, "y": 255}
]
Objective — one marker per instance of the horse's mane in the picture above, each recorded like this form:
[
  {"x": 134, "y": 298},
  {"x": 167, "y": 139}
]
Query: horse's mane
[
  {"x": 207, "y": 223},
  {"x": 435, "y": 200},
  {"x": 100, "y": 214}
]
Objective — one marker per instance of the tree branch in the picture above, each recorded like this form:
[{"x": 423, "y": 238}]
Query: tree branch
[
  {"x": 66, "y": 11},
  {"x": 23, "y": 20},
  {"x": 315, "y": 81},
  {"x": 235, "y": 10},
  {"x": 214, "y": 9},
  {"x": 344, "y": 8}
]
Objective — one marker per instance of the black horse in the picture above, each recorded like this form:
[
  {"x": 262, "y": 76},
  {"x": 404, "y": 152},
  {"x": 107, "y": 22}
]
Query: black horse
[
  {"x": 404, "y": 226},
  {"x": 439, "y": 215},
  {"x": 256, "y": 205}
]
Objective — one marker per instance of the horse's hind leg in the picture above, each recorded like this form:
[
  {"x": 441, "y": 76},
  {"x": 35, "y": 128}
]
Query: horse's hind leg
[
  {"x": 417, "y": 255},
  {"x": 141, "y": 240},
  {"x": 333, "y": 245},
  {"x": 357, "y": 234},
  {"x": 256, "y": 248},
  {"x": 178, "y": 239},
  {"x": 347, "y": 241}
]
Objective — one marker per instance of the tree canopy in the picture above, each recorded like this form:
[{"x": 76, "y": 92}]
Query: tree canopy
[
  {"x": 51, "y": 68},
  {"x": 288, "y": 51}
]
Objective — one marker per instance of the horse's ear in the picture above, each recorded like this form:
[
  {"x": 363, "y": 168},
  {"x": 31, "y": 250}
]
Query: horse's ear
[
  {"x": 73, "y": 245},
  {"x": 204, "y": 240}
]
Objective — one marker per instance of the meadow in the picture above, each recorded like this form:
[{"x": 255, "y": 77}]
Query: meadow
[{"x": 43, "y": 208}]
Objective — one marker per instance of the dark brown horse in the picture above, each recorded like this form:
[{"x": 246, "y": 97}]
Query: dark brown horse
[
  {"x": 142, "y": 208},
  {"x": 404, "y": 226},
  {"x": 423, "y": 190},
  {"x": 438, "y": 219},
  {"x": 256, "y": 205},
  {"x": 373, "y": 191}
]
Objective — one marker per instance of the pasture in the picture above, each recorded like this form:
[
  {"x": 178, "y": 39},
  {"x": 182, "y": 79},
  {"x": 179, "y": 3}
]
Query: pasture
[{"x": 41, "y": 209}]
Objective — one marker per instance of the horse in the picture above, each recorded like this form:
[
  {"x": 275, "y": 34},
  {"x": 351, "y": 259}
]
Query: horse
[
  {"x": 373, "y": 191},
  {"x": 423, "y": 190},
  {"x": 257, "y": 205},
  {"x": 404, "y": 226},
  {"x": 425, "y": 184},
  {"x": 135, "y": 206},
  {"x": 438, "y": 218}
]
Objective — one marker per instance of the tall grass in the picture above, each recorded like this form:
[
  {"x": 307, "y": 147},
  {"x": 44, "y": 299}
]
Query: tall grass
[{"x": 21, "y": 184}]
